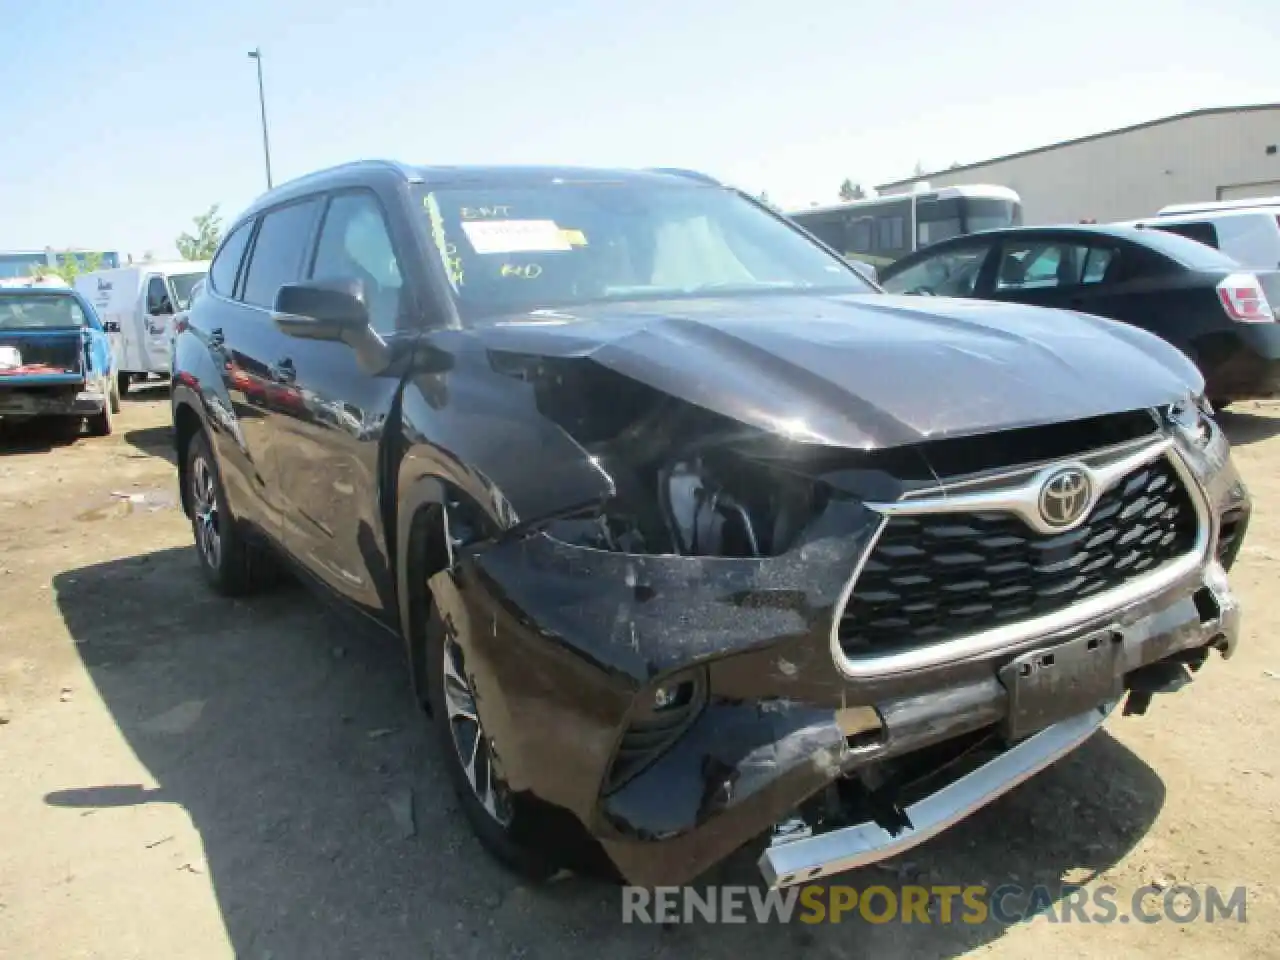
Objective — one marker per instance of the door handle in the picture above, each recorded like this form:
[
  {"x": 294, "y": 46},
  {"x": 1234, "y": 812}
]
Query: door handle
[
  {"x": 282, "y": 371},
  {"x": 216, "y": 338}
]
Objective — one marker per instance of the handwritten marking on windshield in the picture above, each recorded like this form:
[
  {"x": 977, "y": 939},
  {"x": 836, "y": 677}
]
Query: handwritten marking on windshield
[
  {"x": 526, "y": 271},
  {"x": 483, "y": 213}
]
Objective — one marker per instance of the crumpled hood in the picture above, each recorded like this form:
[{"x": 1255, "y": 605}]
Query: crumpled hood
[{"x": 866, "y": 371}]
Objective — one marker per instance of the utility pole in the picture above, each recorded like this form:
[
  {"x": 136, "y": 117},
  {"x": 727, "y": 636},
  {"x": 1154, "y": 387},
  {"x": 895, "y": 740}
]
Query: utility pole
[{"x": 256, "y": 54}]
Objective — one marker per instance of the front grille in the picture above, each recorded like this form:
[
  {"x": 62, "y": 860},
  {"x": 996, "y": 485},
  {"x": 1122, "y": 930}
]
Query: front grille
[{"x": 937, "y": 577}]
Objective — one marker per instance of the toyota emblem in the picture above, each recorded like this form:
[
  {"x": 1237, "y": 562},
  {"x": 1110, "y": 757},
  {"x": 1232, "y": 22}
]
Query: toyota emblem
[{"x": 1065, "y": 497}]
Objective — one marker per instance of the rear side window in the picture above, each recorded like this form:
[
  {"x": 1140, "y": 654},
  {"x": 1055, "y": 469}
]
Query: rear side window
[
  {"x": 222, "y": 274},
  {"x": 1201, "y": 231},
  {"x": 278, "y": 251}
]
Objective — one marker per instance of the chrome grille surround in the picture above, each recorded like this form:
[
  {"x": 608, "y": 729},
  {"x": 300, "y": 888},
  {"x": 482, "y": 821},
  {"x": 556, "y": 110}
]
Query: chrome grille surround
[{"x": 1017, "y": 492}]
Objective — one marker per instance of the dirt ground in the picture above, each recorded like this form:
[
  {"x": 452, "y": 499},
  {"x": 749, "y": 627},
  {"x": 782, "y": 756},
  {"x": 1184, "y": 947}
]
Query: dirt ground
[{"x": 182, "y": 776}]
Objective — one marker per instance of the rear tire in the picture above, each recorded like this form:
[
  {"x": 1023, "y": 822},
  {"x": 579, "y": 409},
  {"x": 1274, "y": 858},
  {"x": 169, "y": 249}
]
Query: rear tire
[
  {"x": 231, "y": 565},
  {"x": 114, "y": 398},
  {"x": 122, "y": 383}
]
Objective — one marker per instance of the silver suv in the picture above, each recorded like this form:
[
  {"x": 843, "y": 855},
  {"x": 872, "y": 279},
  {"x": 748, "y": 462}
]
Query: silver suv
[{"x": 1248, "y": 231}]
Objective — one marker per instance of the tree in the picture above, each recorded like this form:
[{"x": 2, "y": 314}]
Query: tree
[
  {"x": 920, "y": 170},
  {"x": 68, "y": 266},
  {"x": 205, "y": 242},
  {"x": 852, "y": 191},
  {"x": 955, "y": 165}
]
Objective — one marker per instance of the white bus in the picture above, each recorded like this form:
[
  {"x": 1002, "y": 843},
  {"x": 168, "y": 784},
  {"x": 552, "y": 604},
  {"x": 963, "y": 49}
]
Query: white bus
[
  {"x": 883, "y": 229},
  {"x": 20, "y": 264}
]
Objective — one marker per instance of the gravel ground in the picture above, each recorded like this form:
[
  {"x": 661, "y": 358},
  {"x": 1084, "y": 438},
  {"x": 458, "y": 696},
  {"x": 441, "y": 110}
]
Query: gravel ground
[{"x": 188, "y": 777}]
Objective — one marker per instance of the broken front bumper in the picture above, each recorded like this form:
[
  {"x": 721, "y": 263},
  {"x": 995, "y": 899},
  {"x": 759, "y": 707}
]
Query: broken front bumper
[
  {"x": 571, "y": 645},
  {"x": 796, "y": 859}
]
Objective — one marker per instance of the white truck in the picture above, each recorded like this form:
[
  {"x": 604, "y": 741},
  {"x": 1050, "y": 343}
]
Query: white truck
[{"x": 137, "y": 305}]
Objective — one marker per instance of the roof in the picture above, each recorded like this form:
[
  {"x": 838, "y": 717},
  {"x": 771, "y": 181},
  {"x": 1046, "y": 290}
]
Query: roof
[
  {"x": 1190, "y": 114},
  {"x": 508, "y": 176}
]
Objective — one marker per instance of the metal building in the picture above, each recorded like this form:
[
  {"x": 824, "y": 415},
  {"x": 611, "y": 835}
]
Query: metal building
[{"x": 1220, "y": 153}]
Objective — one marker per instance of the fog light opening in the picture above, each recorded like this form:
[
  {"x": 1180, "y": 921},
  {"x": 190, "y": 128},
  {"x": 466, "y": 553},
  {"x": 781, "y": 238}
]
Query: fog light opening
[{"x": 1207, "y": 605}]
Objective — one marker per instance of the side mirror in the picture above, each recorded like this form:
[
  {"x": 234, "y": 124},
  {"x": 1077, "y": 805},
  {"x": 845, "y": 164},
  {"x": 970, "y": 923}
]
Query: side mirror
[
  {"x": 334, "y": 310},
  {"x": 322, "y": 310}
]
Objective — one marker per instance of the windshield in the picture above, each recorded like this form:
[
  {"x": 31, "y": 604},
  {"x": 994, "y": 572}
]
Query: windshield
[
  {"x": 509, "y": 250},
  {"x": 987, "y": 214},
  {"x": 183, "y": 286},
  {"x": 40, "y": 311}
]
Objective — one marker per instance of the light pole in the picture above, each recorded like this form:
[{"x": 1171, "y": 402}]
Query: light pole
[{"x": 256, "y": 54}]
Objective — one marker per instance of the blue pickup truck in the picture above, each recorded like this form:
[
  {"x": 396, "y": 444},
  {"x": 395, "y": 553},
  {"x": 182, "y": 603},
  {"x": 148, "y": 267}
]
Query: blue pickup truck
[{"x": 55, "y": 361}]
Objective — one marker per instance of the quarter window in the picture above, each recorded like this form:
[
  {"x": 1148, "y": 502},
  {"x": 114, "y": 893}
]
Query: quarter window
[
  {"x": 278, "y": 252},
  {"x": 1096, "y": 264},
  {"x": 355, "y": 243},
  {"x": 222, "y": 273},
  {"x": 1201, "y": 231}
]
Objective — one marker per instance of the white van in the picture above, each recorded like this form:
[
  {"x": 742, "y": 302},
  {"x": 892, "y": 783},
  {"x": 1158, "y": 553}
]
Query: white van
[
  {"x": 137, "y": 305},
  {"x": 1247, "y": 231}
]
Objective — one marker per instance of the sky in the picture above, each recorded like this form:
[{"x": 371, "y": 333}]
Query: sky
[{"x": 121, "y": 122}]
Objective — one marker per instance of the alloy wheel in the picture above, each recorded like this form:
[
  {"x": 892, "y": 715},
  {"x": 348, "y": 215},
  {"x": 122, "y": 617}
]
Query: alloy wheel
[
  {"x": 475, "y": 750},
  {"x": 204, "y": 504}
]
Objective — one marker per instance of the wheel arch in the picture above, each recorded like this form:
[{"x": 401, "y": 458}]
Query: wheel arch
[
  {"x": 186, "y": 424},
  {"x": 422, "y": 551}
]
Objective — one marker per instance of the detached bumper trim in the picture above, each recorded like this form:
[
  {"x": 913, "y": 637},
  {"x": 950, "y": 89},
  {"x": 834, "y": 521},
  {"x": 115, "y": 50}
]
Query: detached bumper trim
[{"x": 811, "y": 858}]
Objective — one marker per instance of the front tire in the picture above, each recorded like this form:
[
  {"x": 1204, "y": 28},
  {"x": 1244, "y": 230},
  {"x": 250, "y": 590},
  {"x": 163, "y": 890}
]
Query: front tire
[
  {"x": 114, "y": 398},
  {"x": 230, "y": 564},
  {"x": 122, "y": 383},
  {"x": 499, "y": 818}
]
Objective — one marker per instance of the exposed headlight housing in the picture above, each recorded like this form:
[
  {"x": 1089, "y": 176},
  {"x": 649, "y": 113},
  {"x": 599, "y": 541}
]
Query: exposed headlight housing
[
  {"x": 701, "y": 506},
  {"x": 1192, "y": 419}
]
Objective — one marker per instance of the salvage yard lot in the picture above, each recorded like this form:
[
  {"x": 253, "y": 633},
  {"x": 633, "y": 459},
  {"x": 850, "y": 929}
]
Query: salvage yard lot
[{"x": 188, "y": 777}]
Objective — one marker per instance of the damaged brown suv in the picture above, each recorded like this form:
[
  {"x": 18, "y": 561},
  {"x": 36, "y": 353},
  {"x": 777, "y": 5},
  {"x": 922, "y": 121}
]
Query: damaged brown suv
[{"x": 694, "y": 538}]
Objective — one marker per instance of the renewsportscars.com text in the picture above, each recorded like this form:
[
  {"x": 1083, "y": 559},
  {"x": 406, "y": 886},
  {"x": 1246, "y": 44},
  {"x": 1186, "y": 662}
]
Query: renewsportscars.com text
[{"x": 937, "y": 904}]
